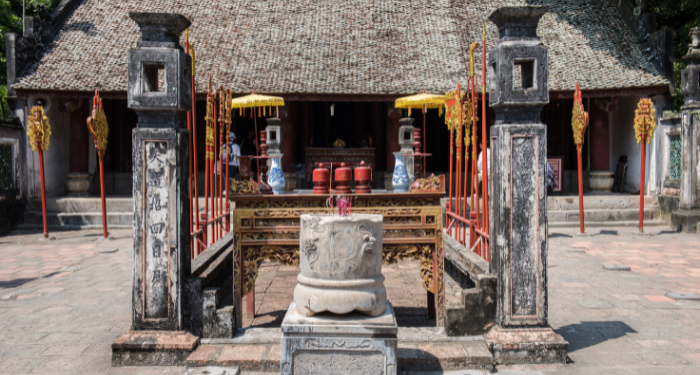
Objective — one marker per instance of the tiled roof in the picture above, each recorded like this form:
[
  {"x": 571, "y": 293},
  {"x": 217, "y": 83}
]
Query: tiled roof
[{"x": 343, "y": 47}]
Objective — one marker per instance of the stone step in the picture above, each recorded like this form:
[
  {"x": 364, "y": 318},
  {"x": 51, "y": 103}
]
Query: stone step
[
  {"x": 608, "y": 224},
  {"x": 88, "y": 204},
  {"x": 425, "y": 356},
  {"x": 610, "y": 215},
  {"x": 86, "y": 220},
  {"x": 608, "y": 201}
]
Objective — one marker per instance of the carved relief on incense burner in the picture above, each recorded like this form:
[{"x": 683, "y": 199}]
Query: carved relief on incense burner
[{"x": 341, "y": 265}]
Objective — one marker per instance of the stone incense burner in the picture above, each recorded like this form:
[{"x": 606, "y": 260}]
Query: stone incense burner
[{"x": 341, "y": 265}]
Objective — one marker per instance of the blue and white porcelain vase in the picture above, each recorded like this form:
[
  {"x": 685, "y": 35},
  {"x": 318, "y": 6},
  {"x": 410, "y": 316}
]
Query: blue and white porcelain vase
[
  {"x": 276, "y": 177},
  {"x": 400, "y": 180}
]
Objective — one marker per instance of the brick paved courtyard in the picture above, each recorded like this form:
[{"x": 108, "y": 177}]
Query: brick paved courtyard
[{"x": 63, "y": 302}]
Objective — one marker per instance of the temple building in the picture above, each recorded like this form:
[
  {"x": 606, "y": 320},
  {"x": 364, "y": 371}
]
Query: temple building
[{"x": 339, "y": 65}]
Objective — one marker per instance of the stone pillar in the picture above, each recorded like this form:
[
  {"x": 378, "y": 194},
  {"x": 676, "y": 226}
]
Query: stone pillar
[
  {"x": 274, "y": 138},
  {"x": 689, "y": 214},
  {"x": 160, "y": 92},
  {"x": 518, "y": 89},
  {"x": 406, "y": 144}
]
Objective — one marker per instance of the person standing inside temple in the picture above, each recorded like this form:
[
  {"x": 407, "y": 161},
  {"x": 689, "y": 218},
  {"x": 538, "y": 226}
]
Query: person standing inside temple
[{"x": 231, "y": 158}]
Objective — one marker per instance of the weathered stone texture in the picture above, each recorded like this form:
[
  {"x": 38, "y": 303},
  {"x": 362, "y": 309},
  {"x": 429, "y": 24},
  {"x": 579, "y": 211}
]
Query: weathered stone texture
[
  {"x": 160, "y": 174},
  {"x": 341, "y": 265},
  {"x": 518, "y": 193},
  {"x": 339, "y": 344},
  {"x": 161, "y": 239}
]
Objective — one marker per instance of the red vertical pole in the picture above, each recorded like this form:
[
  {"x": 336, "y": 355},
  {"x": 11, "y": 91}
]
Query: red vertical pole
[
  {"x": 484, "y": 153},
  {"x": 580, "y": 189},
  {"x": 189, "y": 178},
  {"x": 214, "y": 194},
  {"x": 458, "y": 181},
  {"x": 448, "y": 220},
  {"x": 465, "y": 185},
  {"x": 193, "y": 243},
  {"x": 194, "y": 160},
  {"x": 102, "y": 189},
  {"x": 43, "y": 190},
  {"x": 641, "y": 184}
]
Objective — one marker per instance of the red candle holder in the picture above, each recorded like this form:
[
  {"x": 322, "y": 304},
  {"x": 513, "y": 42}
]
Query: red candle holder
[
  {"x": 320, "y": 179},
  {"x": 343, "y": 176},
  {"x": 363, "y": 174}
]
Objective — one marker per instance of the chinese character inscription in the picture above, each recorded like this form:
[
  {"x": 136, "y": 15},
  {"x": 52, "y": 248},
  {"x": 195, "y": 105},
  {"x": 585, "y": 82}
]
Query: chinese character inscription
[{"x": 156, "y": 172}]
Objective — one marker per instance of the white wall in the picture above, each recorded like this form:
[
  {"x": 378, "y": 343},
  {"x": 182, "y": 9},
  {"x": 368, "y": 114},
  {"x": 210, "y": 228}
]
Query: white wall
[{"x": 625, "y": 143}]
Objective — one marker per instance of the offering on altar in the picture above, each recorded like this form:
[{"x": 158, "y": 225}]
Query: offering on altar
[{"x": 339, "y": 143}]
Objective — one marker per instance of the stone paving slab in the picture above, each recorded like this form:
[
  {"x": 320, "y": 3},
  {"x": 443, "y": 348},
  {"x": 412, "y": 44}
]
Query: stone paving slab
[{"x": 55, "y": 322}]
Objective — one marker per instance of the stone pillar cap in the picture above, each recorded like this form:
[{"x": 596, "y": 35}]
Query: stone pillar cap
[
  {"x": 160, "y": 29},
  {"x": 518, "y": 22},
  {"x": 406, "y": 121},
  {"x": 693, "y": 55}
]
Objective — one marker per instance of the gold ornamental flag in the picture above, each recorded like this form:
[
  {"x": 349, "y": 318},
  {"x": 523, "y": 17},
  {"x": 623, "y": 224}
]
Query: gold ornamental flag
[
  {"x": 38, "y": 129},
  {"x": 579, "y": 118},
  {"x": 97, "y": 124},
  {"x": 644, "y": 120}
]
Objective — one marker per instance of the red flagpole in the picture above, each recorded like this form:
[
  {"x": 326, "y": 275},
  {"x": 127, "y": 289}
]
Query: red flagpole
[
  {"x": 102, "y": 189},
  {"x": 43, "y": 190},
  {"x": 641, "y": 184}
]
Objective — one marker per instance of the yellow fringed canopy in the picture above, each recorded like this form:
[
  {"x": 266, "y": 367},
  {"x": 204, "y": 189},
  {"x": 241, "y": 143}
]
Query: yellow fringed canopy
[
  {"x": 420, "y": 100},
  {"x": 255, "y": 101}
]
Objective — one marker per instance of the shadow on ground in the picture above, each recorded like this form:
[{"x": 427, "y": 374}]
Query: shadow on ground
[
  {"x": 586, "y": 334},
  {"x": 8, "y": 284}
]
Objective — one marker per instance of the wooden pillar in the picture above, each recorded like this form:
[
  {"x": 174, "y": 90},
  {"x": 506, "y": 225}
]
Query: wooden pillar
[
  {"x": 79, "y": 142},
  {"x": 287, "y": 146},
  {"x": 600, "y": 138},
  {"x": 392, "y": 137}
]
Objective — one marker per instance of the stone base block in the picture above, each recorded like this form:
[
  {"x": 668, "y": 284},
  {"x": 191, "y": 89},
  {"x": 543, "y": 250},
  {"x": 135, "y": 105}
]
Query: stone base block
[
  {"x": 526, "y": 346},
  {"x": 214, "y": 371},
  {"x": 339, "y": 344},
  {"x": 686, "y": 221},
  {"x": 153, "y": 348},
  {"x": 601, "y": 181},
  {"x": 220, "y": 323}
]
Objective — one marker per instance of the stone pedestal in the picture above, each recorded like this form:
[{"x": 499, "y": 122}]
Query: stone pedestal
[
  {"x": 339, "y": 344},
  {"x": 78, "y": 184},
  {"x": 518, "y": 191},
  {"x": 601, "y": 180}
]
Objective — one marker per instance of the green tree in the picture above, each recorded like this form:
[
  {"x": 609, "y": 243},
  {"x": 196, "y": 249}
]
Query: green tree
[
  {"x": 681, "y": 16},
  {"x": 11, "y": 22}
]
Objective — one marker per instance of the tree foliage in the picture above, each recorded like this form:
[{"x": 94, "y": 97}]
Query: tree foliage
[
  {"x": 11, "y": 22},
  {"x": 681, "y": 16}
]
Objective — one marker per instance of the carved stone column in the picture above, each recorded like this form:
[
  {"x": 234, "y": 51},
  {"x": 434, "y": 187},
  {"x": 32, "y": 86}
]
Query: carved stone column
[
  {"x": 160, "y": 93},
  {"x": 689, "y": 214},
  {"x": 406, "y": 143},
  {"x": 518, "y": 89},
  {"x": 274, "y": 138}
]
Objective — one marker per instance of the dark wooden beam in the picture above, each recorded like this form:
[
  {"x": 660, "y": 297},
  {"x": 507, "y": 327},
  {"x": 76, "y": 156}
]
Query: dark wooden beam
[{"x": 553, "y": 95}]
